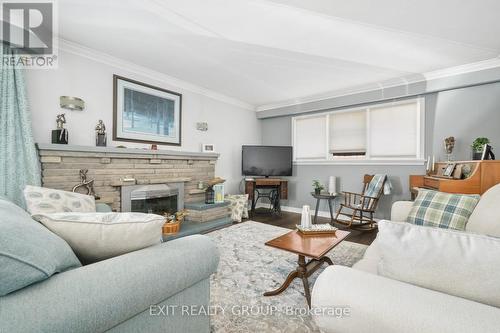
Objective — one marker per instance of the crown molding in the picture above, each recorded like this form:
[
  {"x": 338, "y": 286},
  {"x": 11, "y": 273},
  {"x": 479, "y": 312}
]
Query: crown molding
[
  {"x": 104, "y": 58},
  {"x": 463, "y": 69},
  {"x": 401, "y": 81},
  {"x": 340, "y": 93}
]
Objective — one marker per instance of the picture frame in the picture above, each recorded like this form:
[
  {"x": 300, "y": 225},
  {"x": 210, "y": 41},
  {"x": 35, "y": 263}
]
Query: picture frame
[
  {"x": 208, "y": 148},
  {"x": 448, "y": 171},
  {"x": 146, "y": 114}
]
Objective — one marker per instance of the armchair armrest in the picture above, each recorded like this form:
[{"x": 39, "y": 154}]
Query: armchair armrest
[
  {"x": 378, "y": 304},
  {"x": 400, "y": 210},
  {"x": 99, "y": 296}
]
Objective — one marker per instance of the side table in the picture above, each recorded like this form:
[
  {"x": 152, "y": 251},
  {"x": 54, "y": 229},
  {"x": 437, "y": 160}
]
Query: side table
[{"x": 326, "y": 196}]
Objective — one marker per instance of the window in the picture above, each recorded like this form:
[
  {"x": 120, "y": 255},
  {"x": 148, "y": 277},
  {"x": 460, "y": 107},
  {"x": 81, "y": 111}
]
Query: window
[
  {"x": 310, "y": 139},
  {"x": 348, "y": 133},
  {"x": 393, "y": 131},
  {"x": 382, "y": 133}
]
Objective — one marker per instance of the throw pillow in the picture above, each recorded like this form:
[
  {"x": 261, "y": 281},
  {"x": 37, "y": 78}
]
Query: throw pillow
[
  {"x": 238, "y": 206},
  {"x": 453, "y": 262},
  {"x": 98, "y": 236},
  {"x": 41, "y": 200},
  {"x": 443, "y": 210},
  {"x": 29, "y": 252}
]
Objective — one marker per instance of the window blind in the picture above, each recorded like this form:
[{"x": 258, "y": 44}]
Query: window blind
[
  {"x": 393, "y": 130},
  {"x": 348, "y": 132},
  {"x": 310, "y": 138}
]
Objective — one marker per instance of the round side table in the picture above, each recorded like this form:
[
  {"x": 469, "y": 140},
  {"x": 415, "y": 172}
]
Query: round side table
[{"x": 326, "y": 196}]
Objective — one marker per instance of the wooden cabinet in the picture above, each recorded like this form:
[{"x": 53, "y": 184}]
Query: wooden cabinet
[
  {"x": 252, "y": 185},
  {"x": 484, "y": 174}
]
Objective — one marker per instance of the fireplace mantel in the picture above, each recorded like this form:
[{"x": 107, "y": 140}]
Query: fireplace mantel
[
  {"x": 113, "y": 151},
  {"x": 112, "y": 168}
]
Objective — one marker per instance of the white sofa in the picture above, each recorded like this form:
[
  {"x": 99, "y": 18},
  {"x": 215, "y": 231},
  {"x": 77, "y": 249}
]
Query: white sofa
[{"x": 380, "y": 304}]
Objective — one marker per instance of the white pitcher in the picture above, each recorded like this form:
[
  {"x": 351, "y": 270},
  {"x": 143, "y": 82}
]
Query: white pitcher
[{"x": 305, "y": 220}]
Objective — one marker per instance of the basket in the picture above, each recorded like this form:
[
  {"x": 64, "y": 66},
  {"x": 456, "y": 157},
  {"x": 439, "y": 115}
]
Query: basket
[{"x": 170, "y": 228}]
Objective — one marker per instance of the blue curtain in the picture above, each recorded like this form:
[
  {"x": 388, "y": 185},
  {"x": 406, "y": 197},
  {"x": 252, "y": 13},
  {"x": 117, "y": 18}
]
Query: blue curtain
[{"x": 19, "y": 164}]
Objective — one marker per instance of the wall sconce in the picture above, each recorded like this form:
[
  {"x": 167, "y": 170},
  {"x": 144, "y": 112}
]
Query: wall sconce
[{"x": 72, "y": 103}]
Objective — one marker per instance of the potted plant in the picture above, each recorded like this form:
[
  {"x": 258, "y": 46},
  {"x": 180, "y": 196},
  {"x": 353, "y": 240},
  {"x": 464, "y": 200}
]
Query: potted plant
[
  {"x": 477, "y": 147},
  {"x": 317, "y": 187}
]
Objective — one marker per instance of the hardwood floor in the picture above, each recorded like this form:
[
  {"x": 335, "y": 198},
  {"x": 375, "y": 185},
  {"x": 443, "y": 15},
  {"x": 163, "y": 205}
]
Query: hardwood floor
[{"x": 290, "y": 220}]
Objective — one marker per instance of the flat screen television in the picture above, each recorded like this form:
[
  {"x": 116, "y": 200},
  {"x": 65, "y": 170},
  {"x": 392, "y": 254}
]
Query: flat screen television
[{"x": 266, "y": 161}]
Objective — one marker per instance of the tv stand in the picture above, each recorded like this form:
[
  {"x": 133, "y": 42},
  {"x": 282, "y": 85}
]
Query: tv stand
[{"x": 280, "y": 186}]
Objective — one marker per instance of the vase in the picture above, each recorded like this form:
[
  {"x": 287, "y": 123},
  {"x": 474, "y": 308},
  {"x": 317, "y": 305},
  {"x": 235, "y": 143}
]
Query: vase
[{"x": 477, "y": 155}]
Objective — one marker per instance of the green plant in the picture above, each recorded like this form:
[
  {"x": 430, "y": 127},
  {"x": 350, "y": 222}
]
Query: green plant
[
  {"x": 317, "y": 185},
  {"x": 479, "y": 143}
]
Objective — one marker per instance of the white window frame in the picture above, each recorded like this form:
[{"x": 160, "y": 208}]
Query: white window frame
[{"x": 328, "y": 159}]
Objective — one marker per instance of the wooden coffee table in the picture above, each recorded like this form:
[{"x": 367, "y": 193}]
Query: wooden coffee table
[{"x": 313, "y": 246}]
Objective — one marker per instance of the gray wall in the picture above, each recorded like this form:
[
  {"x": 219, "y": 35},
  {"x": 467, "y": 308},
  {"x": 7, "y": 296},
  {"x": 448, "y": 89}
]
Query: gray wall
[
  {"x": 463, "y": 113},
  {"x": 229, "y": 126}
]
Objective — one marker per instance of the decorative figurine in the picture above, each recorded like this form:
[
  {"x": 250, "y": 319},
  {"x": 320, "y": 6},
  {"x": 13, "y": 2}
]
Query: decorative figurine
[
  {"x": 101, "y": 137},
  {"x": 449, "y": 144},
  {"x": 60, "y": 135},
  {"x": 87, "y": 184},
  {"x": 61, "y": 120}
]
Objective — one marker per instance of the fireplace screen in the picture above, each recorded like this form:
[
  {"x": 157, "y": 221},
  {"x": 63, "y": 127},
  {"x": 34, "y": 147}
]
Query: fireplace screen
[{"x": 154, "y": 199}]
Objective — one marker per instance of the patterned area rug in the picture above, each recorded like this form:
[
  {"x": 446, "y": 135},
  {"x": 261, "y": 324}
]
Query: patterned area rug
[{"x": 248, "y": 268}]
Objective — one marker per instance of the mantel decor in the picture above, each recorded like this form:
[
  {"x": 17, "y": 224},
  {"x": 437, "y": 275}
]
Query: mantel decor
[
  {"x": 60, "y": 135},
  {"x": 144, "y": 113}
]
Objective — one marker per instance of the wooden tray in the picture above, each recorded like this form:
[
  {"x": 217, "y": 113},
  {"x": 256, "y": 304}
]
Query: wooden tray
[{"x": 327, "y": 230}]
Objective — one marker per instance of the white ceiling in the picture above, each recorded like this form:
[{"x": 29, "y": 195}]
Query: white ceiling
[{"x": 267, "y": 51}]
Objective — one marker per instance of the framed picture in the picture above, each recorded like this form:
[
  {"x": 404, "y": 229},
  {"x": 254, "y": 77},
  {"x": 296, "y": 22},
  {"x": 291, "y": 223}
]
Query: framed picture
[
  {"x": 146, "y": 114},
  {"x": 208, "y": 148},
  {"x": 448, "y": 171}
]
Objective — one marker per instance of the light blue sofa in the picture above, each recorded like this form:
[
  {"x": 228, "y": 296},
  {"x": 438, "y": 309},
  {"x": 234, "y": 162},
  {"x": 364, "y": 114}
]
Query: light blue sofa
[{"x": 128, "y": 293}]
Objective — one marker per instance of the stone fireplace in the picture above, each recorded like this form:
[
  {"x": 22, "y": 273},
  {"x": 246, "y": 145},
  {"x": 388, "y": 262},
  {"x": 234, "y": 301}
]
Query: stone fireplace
[{"x": 124, "y": 176}]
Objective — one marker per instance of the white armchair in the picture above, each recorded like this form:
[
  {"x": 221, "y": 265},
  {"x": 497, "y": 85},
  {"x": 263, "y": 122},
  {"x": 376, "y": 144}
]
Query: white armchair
[{"x": 380, "y": 304}]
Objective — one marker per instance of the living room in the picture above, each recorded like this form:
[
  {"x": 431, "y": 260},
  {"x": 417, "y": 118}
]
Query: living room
[{"x": 252, "y": 165}]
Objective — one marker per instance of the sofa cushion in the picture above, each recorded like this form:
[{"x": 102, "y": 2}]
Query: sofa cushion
[
  {"x": 485, "y": 218},
  {"x": 443, "y": 210},
  {"x": 98, "y": 236},
  {"x": 29, "y": 252},
  {"x": 369, "y": 262},
  {"x": 40, "y": 200},
  {"x": 457, "y": 263}
]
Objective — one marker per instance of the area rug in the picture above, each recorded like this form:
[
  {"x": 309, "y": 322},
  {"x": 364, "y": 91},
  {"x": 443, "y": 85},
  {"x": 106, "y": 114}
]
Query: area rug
[{"x": 248, "y": 268}]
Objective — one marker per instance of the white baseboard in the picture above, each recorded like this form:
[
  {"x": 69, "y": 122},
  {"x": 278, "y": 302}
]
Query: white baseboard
[{"x": 297, "y": 210}]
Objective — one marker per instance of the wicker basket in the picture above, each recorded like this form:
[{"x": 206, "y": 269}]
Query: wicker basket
[{"x": 171, "y": 228}]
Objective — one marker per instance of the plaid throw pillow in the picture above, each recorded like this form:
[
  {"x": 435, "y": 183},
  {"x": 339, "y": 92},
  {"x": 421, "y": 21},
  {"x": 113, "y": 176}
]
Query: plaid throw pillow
[{"x": 443, "y": 210}]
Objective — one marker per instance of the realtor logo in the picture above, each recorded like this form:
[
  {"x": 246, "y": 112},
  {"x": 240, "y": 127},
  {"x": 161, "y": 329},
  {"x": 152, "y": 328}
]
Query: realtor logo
[{"x": 28, "y": 31}]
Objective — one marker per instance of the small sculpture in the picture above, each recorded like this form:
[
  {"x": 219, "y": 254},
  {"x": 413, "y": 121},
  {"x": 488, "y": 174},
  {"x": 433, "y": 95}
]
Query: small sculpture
[
  {"x": 101, "y": 137},
  {"x": 61, "y": 120},
  {"x": 100, "y": 128},
  {"x": 87, "y": 184},
  {"x": 60, "y": 134},
  {"x": 449, "y": 144}
]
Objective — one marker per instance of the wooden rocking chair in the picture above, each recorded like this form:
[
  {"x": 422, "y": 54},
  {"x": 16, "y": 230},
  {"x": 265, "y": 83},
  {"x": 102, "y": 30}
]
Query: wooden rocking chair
[{"x": 356, "y": 212}]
